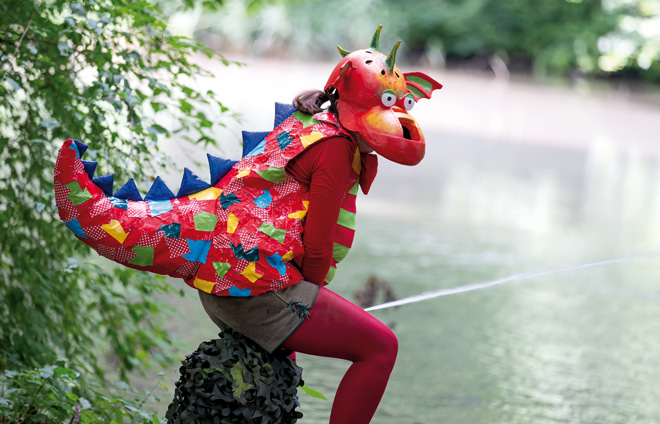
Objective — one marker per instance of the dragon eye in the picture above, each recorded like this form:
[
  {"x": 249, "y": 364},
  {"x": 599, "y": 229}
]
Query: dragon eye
[
  {"x": 409, "y": 102},
  {"x": 388, "y": 98}
]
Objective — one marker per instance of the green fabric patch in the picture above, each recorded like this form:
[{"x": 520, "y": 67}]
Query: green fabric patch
[
  {"x": 346, "y": 219},
  {"x": 205, "y": 221},
  {"x": 354, "y": 189},
  {"x": 275, "y": 233},
  {"x": 339, "y": 252},
  {"x": 331, "y": 274},
  {"x": 145, "y": 256},
  {"x": 221, "y": 268},
  {"x": 78, "y": 195},
  {"x": 306, "y": 120},
  {"x": 273, "y": 174}
]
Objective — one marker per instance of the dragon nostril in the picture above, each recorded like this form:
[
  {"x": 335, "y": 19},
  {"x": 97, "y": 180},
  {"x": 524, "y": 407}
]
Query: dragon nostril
[{"x": 368, "y": 61}]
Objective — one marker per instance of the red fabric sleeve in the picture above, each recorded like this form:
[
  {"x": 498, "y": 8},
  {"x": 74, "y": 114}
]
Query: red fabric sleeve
[{"x": 325, "y": 167}]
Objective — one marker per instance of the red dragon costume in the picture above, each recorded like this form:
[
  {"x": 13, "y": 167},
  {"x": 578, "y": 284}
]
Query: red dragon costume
[{"x": 238, "y": 234}]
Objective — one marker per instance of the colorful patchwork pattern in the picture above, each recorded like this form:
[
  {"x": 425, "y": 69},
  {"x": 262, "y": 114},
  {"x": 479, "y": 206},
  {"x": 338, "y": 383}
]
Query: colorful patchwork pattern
[{"x": 235, "y": 238}]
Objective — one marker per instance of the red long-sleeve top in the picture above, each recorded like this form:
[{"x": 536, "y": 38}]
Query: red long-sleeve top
[{"x": 326, "y": 168}]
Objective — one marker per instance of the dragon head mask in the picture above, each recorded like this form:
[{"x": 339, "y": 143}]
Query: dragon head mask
[{"x": 374, "y": 98}]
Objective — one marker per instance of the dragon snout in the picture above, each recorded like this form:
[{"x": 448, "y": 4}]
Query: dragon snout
[
  {"x": 394, "y": 134},
  {"x": 411, "y": 130}
]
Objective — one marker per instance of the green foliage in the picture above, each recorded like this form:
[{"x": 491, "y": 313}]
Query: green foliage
[
  {"x": 56, "y": 394},
  {"x": 234, "y": 380},
  {"x": 107, "y": 73},
  {"x": 546, "y": 37}
]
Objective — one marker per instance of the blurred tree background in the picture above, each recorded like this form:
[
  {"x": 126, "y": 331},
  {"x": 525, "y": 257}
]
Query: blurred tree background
[
  {"x": 111, "y": 73},
  {"x": 565, "y": 38}
]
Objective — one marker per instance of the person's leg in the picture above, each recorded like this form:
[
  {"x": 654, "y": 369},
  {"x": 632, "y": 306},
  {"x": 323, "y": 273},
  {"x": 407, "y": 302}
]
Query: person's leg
[{"x": 338, "y": 328}]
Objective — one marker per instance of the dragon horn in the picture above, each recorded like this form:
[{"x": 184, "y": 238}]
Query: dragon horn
[
  {"x": 392, "y": 57},
  {"x": 343, "y": 52},
  {"x": 376, "y": 38}
]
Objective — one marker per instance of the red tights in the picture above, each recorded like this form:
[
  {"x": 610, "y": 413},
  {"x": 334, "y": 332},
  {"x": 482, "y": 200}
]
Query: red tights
[{"x": 338, "y": 328}]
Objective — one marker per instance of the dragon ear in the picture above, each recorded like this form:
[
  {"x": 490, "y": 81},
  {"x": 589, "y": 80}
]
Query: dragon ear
[
  {"x": 421, "y": 85},
  {"x": 343, "y": 73}
]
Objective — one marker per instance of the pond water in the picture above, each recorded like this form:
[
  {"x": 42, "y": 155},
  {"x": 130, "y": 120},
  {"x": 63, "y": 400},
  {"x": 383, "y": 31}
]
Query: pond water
[{"x": 570, "y": 347}]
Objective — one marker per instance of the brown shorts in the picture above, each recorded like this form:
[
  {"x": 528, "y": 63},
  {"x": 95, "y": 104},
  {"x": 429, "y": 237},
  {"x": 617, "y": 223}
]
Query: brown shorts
[{"x": 268, "y": 319}]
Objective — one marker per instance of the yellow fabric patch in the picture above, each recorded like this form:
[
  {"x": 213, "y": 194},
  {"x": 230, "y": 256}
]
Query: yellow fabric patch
[
  {"x": 115, "y": 229},
  {"x": 243, "y": 173},
  {"x": 287, "y": 256},
  {"x": 357, "y": 161},
  {"x": 208, "y": 194},
  {"x": 232, "y": 223},
  {"x": 310, "y": 138},
  {"x": 300, "y": 214},
  {"x": 203, "y": 285},
  {"x": 251, "y": 273}
]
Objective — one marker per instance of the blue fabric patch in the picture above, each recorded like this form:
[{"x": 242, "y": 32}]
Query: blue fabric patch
[
  {"x": 248, "y": 255},
  {"x": 254, "y": 142},
  {"x": 157, "y": 207},
  {"x": 119, "y": 203},
  {"x": 198, "y": 250},
  {"x": 284, "y": 140},
  {"x": 80, "y": 147},
  {"x": 258, "y": 149},
  {"x": 227, "y": 201},
  {"x": 264, "y": 200},
  {"x": 276, "y": 262},
  {"x": 74, "y": 226},
  {"x": 75, "y": 149},
  {"x": 236, "y": 292},
  {"x": 171, "y": 230}
]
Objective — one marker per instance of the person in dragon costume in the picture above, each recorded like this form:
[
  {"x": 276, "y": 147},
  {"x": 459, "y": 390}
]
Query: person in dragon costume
[{"x": 262, "y": 240}]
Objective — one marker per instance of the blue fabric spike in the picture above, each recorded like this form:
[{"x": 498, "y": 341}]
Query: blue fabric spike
[
  {"x": 159, "y": 191},
  {"x": 105, "y": 183},
  {"x": 129, "y": 191},
  {"x": 252, "y": 140},
  {"x": 219, "y": 166},
  {"x": 282, "y": 111},
  {"x": 82, "y": 147},
  {"x": 90, "y": 167},
  {"x": 191, "y": 183}
]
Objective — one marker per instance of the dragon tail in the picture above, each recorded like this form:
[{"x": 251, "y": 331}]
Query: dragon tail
[
  {"x": 122, "y": 226},
  {"x": 162, "y": 232}
]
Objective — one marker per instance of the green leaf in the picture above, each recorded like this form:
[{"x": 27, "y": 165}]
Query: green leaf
[{"x": 313, "y": 393}]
